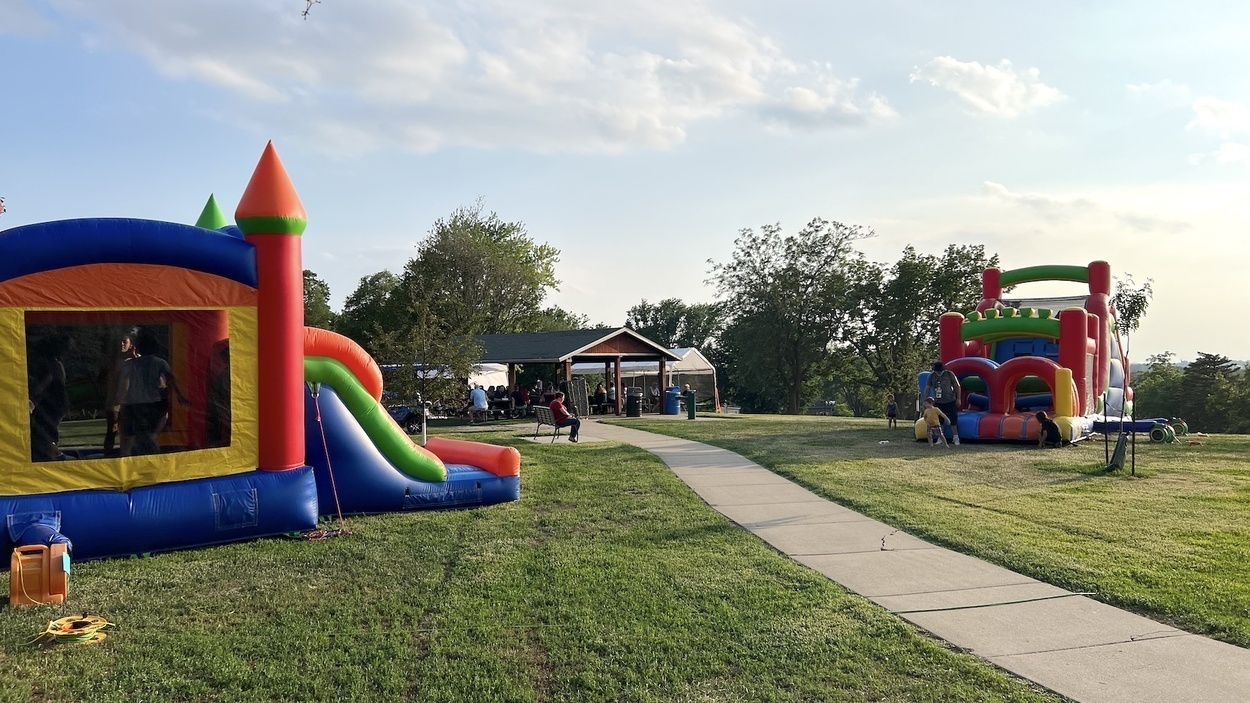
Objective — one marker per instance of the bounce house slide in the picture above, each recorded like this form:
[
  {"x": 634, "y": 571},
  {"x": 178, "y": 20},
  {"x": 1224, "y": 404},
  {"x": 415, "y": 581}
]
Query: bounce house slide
[{"x": 365, "y": 463}]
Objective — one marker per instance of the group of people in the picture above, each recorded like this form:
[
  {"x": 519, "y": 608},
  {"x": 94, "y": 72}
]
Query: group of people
[
  {"x": 518, "y": 400},
  {"x": 138, "y": 384},
  {"x": 941, "y": 395},
  {"x": 604, "y": 398}
]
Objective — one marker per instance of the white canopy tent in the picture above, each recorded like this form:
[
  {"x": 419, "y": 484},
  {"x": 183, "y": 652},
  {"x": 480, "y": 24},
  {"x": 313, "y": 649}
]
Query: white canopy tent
[
  {"x": 487, "y": 375},
  {"x": 692, "y": 363},
  {"x": 693, "y": 368}
]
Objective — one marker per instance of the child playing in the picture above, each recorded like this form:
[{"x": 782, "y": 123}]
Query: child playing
[
  {"x": 1049, "y": 435},
  {"x": 891, "y": 411},
  {"x": 933, "y": 419}
]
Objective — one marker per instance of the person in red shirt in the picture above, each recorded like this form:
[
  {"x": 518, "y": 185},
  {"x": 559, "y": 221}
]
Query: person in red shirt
[{"x": 563, "y": 418}]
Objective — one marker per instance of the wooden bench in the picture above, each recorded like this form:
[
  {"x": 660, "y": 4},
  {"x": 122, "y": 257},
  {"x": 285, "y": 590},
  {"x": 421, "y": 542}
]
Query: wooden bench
[{"x": 542, "y": 413}]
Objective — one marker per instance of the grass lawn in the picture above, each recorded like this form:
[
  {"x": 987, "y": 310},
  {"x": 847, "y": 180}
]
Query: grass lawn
[
  {"x": 608, "y": 581},
  {"x": 1172, "y": 543}
]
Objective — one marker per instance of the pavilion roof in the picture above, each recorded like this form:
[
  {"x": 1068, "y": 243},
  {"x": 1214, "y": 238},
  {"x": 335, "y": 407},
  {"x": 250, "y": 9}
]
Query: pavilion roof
[{"x": 600, "y": 344}]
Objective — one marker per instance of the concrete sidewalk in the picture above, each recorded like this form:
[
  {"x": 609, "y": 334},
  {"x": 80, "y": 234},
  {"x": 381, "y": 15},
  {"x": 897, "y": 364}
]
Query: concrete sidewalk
[{"x": 1069, "y": 643}]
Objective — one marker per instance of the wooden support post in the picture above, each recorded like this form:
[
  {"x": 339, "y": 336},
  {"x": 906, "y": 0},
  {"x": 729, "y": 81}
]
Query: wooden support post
[
  {"x": 663, "y": 385},
  {"x": 619, "y": 396}
]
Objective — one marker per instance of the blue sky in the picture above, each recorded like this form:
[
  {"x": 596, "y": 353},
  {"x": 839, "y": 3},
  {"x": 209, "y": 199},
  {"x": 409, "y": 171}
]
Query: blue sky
[{"x": 639, "y": 136}]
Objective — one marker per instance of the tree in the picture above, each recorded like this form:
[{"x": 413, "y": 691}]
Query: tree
[
  {"x": 369, "y": 311},
  {"x": 1199, "y": 382},
  {"x": 1130, "y": 303},
  {"x": 480, "y": 274},
  {"x": 672, "y": 323},
  {"x": 317, "y": 311},
  {"x": 786, "y": 298},
  {"x": 418, "y": 360},
  {"x": 1157, "y": 390},
  {"x": 894, "y": 327},
  {"x": 556, "y": 319}
]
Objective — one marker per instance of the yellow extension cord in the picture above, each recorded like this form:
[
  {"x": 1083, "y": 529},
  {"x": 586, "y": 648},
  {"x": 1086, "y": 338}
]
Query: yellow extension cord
[{"x": 87, "y": 629}]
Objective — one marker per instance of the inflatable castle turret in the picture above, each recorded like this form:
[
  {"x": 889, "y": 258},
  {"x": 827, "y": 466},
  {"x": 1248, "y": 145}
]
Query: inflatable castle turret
[{"x": 272, "y": 219}]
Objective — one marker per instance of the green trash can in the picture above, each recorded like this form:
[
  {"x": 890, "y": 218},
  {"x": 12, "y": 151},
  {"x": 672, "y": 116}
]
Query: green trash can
[
  {"x": 633, "y": 403},
  {"x": 690, "y": 405}
]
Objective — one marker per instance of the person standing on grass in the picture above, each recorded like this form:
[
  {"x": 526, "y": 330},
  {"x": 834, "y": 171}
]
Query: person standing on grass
[
  {"x": 1049, "y": 435},
  {"x": 933, "y": 422},
  {"x": 563, "y": 418},
  {"x": 943, "y": 387},
  {"x": 891, "y": 411}
]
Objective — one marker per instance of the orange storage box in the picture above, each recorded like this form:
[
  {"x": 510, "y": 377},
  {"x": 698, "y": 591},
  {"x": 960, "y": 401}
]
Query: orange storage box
[{"x": 38, "y": 575}]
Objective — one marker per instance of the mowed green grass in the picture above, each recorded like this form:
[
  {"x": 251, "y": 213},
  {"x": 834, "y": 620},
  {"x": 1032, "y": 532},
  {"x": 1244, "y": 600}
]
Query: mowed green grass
[
  {"x": 1172, "y": 542},
  {"x": 608, "y": 581}
]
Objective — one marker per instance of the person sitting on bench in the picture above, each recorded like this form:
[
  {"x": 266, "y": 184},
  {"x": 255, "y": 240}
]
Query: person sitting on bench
[{"x": 563, "y": 418}]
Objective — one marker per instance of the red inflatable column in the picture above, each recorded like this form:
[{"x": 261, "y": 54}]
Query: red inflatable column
[
  {"x": 950, "y": 344},
  {"x": 1073, "y": 352},
  {"x": 991, "y": 288},
  {"x": 272, "y": 219},
  {"x": 1100, "y": 305}
]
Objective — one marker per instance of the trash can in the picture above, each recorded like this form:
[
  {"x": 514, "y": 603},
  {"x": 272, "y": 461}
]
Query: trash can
[
  {"x": 672, "y": 401},
  {"x": 633, "y": 403},
  {"x": 690, "y": 404}
]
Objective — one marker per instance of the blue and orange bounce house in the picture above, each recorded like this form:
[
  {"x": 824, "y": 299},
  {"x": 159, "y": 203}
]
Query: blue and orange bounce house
[{"x": 282, "y": 422}]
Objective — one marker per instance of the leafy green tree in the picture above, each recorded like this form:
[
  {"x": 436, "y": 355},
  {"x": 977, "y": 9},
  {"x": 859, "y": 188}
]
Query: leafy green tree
[
  {"x": 786, "y": 298},
  {"x": 851, "y": 383},
  {"x": 672, "y": 323},
  {"x": 481, "y": 274},
  {"x": 556, "y": 319},
  {"x": 370, "y": 311},
  {"x": 894, "y": 327},
  {"x": 419, "y": 361},
  {"x": 1201, "y": 380},
  {"x": 1157, "y": 390},
  {"x": 1130, "y": 302},
  {"x": 317, "y": 312}
]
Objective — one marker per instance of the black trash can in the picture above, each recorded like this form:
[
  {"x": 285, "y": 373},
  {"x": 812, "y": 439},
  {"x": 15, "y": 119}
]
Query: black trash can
[{"x": 633, "y": 403}]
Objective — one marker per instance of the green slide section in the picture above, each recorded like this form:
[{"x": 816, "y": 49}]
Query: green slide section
[
  {"x": 373, "y": 418},
  {"x": 1003, "y": 327},
  {"x": 1053, "y": 272}
]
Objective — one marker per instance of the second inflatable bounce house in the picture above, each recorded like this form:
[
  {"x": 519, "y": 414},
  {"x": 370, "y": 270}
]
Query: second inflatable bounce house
[
  {"x": 1015, "y": 357},
  {"x": 265, "y": 424}
]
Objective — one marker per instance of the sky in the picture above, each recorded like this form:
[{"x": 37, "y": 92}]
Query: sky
[{"x": 639, "y": 136}]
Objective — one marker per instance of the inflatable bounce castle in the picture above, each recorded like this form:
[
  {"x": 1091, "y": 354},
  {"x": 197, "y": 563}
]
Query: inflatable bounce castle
[
  {"x": 275, "y": 423},
  {"x": 1016, "y": 357}
]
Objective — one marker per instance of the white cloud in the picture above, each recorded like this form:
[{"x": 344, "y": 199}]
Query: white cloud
[
  {"x": 999, "y": 91},
  {"x": 1233, "y": 153},
  {"x": 1221, "y": 116},
  {"x": 1164, "y": 92},
  {"x": 830, "y": 101},
  {"x": 547, "y": 75},
  {"x": 1066, "y": 210}
]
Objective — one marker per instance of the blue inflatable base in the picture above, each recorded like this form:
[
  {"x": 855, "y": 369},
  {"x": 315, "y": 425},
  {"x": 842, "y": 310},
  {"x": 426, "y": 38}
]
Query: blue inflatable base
[
  {"x": 1129, "y": 424},
  {"x": 173, "y": 516}
]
